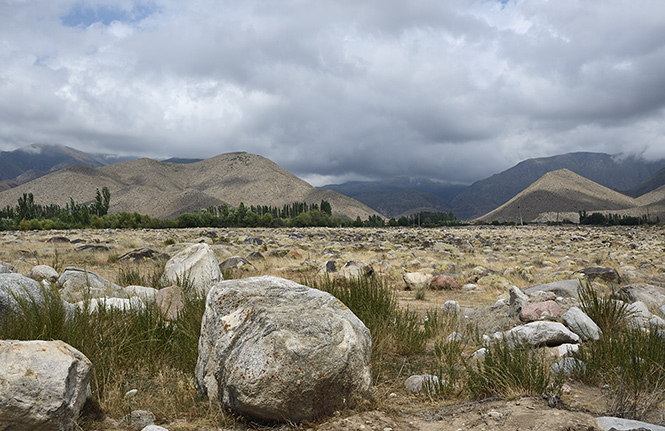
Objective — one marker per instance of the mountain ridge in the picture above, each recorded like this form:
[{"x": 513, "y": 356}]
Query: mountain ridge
[{"x": 165, "y": 190}]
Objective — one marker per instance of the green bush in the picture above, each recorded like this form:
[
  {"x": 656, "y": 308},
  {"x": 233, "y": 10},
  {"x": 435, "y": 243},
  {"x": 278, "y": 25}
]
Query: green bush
[{"x": 510, "y": 373}]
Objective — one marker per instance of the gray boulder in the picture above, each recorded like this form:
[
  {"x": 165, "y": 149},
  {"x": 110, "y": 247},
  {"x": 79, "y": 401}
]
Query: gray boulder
[
  {"x": 567, "y": 366},
  {"x": 607, "y": 423},
  {"x": 518, "y": 300},
  {"x": 565, "y": 288},
  {"x": 77, "y": 284},
  {"x": 237, "y": 262},
  {"x": 43, "y": 272},
  {"x": 44, "y": 385},
  {"x": 197, "y": 264},
  {"x": 608, "y": 275},
  {"x": 275, "y": 350},
  {"x": 541, "y": 333},
  {"x": 170, "y": 301},
  {"x": 426, "y": 383},
  {"x": 13, "y": 286},
  {"x": 147, "y": 294},
  {"x": 652, "y": 296},
  {"x": 580, "y": 323}
]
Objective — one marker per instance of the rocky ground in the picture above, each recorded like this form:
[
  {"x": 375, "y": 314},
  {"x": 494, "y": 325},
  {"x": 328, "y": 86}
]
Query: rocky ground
[{"x": 483, "y": 261}]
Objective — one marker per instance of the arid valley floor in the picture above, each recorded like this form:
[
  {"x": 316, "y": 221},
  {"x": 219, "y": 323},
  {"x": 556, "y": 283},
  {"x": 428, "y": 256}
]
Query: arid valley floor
[{"x": 483, "y": 260}]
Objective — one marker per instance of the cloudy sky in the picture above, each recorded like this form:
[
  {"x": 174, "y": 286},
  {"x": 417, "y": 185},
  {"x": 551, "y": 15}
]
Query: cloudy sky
[{"x": 334, "y": 90}]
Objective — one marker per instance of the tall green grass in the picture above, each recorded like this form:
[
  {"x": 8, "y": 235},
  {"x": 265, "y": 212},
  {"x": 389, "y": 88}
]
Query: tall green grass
[
  {"x": 509, "y": 372},
  {"x": 393, "y": 329},
  {"x": 120, "y": 344}
]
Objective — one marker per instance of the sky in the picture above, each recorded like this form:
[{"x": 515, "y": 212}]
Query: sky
[{"x": 337, "y": 90}]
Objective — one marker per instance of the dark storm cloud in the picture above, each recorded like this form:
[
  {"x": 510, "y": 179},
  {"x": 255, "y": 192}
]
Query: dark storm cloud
[{"x": 337, "y": 90}]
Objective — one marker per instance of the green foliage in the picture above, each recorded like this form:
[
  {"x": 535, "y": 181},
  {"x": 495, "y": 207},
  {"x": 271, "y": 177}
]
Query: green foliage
[
  {"x": 609, "y": 314},
  {"x": 631, "y": 363},
  {"x": 599, "y": 219},
  {"x": 115, "y": 341},
  {"x": 510, "y": 372},
  {"x": 394, "y": 330},
  {"x": 426, "y": 219}
]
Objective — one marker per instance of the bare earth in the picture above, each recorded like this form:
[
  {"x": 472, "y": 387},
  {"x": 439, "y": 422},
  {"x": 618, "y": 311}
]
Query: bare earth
[{"x": 544, "y": 253}]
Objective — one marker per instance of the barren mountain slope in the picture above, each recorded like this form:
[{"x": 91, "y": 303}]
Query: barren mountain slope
[
  {"x": 559, "y": 191},
  {"x": 168, "y": 189}
]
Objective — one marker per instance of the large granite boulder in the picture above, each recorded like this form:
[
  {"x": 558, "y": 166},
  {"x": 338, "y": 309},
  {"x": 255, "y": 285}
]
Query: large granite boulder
[
  {"x": 275, "y": 350},
  {"x": 541, "y": 333},
  {"x": 43, "y": 272},
  {"x": 197, "y": 265},
  {"x": 43, "y": 385},
  {"x": 16, "y": 286},
  {"x": 580, "y": 323},
  {"x": 77, "y": 284},
  {"x": 652, "y": 296},
  {"x": 564, "y": 288}
]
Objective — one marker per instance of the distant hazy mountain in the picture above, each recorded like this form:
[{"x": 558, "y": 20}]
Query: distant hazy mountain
[
  {"x": 610, "y": 171},
  {"x": 401, "y": 195},
  {"x": 31, "y": 162},
  {"x": 167, "y": 190},
  {"x": 650, "y": 184}
]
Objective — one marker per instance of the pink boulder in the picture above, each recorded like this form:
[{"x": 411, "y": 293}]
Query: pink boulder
[
  {"x": 443, "y": 282},
  {"x": 548, "y": 310}
]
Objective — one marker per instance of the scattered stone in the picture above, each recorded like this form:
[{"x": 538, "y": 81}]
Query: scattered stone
[
  {"x": 58, "y": 240},
  {"x": 451, "y": 307},
  {"x": 608, "y": 275},
  {"x": 6, "y": 268},
  {"x": 14, "y": 286},
  {"x": 416, "y": 280},
  {"x": 236, "y": 262},
  {"x": 567, "y": 349},
  {"x": 78, "y": 283},
  {"x": 94, "y": 247},
  {"x": 170, "y": 301},
  {"x": 581, "y": 324},
  {"x": 540, "y": 333},
  {"x": 565, "y": 288},
  {"x": 353, "y": 269},
  {"x": 139, "y": 419},
  {"x": 480, "y": 353},
  {"x": 518, "y": 300},
  {"x": 43, "y": 272},
  {"x": 548, "y": 310},
  {"x": 425, "y": 383},
  {"x": 122, "y": 304},
  {"x": 607, "y": 423},
  {"x": 131, "y": 393},
  {"x": 44, "y": 385},
  {"x": 255, "y": 256},
  {"x": 443, "y": 282},
  {"x": 253, "y": 241},
  {"x": 652, "y": 296},
  {"x": 196, "y": 265},
  {"x": 454, "y": 336},
  {"x": 260, "y": 361},
  {"x": 142, "y": 254},
  {"x": 278, "y": 253},
  {"x": 567, "y": 366},
  {"x": 147, "y": 294}
]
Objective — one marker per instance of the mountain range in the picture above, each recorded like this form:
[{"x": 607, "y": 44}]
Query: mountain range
[
  {"x": 166, "y": 190},
  {"x": 560, "y": 195},
  {"x": 531, "y": 189}
]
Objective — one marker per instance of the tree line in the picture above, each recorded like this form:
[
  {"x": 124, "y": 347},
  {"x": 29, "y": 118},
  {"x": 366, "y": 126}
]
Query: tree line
[{"x": 28, "y": 215}]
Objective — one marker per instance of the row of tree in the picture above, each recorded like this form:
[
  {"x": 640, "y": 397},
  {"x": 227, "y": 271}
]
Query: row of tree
[
  {"x": 599, "y": 219},
  {"x": 27, "y": 215}
]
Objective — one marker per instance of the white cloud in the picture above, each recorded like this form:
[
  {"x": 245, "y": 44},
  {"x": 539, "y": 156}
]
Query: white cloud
[{"x": 453, "y": 90}]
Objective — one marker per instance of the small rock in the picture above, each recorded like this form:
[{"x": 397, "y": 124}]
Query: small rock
[
  {"x": 131, "y": 393},
  {"x": 418, "y": 384},
  {"x": 139, "y": 419},
  {"x": 443, "y": 282}
]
